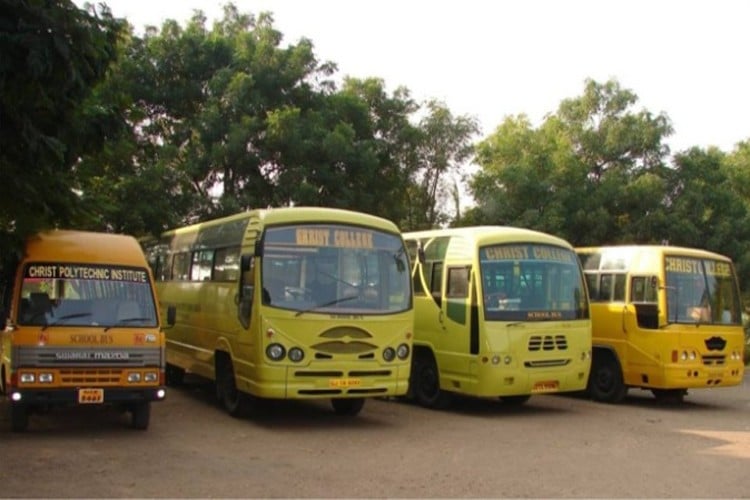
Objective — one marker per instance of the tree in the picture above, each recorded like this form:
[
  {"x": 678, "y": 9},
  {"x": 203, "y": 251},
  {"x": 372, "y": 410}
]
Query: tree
[
  {"x": 53, "y": 55},
  {"x": 591, "y": 173}
]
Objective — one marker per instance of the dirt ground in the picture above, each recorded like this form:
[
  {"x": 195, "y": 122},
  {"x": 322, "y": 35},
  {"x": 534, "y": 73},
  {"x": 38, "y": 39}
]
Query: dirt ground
[{"x": 554, "y": 446}]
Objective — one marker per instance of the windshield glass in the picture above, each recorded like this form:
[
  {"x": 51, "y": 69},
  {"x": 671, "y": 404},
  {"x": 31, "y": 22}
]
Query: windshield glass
[
  {"x": 528, "y": 282},
  {"x": 86, "y": 295},
  {"x": 701, "y": 291},
  {"x": 336, "y": 269}
]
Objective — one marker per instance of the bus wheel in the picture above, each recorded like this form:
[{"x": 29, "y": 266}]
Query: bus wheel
[
  {"x": 235, "y": 402},
  {"x": 425, "y": 381},
  {"x": 515, "y": 400},
  {"x": 140, "y": 415},
  {"x": 19, "y": 418},
  {"x": 175, "y": 375},
  {"x": 605, "y": 380},
  {"x": 669, "y": 396},
  {"x": 348, "y": 407}
]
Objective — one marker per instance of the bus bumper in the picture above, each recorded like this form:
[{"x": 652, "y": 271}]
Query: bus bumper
[
  {"x": 70, "y": 397},
  {"x": 681, "y": 377}
]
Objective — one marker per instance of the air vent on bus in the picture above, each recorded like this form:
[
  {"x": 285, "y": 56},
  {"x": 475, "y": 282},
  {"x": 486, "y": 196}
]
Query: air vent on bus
[{"x": 547, "y": 342}]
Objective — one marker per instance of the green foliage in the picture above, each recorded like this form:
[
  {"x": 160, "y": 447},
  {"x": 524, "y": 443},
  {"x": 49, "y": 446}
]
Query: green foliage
[{"x": 53, "y": 54}]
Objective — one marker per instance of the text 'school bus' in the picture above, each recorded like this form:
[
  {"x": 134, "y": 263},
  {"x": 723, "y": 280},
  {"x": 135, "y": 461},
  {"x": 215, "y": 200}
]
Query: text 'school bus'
[
  {"x": 288, "y": 303},
  {"x": 499, "y": 312},
  {"x": 664, "y": 318},
  {"x": 82, "y": 327}
]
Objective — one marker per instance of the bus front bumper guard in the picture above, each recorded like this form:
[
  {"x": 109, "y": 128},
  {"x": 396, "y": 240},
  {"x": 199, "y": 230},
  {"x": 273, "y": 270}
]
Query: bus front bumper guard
[{"x": 70, "y": 396}]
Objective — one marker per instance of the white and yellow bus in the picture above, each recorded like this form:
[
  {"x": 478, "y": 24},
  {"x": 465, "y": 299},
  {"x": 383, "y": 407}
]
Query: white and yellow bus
[
  {"x": 500, "y": 312},
  {"x": 288, "y": 303},
  {"x": 666, "y": 319},
  {"x": 82, "y": 328}
]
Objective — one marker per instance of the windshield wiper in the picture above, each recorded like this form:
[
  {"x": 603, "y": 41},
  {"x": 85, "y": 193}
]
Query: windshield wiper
[
  {"x": 325, "y": 304},
  {"x": 120, "y": 322},
  {"x": 63, "y": 318}
]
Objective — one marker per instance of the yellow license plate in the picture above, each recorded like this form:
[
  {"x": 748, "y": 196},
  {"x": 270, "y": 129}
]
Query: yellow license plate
[
  {"x": 546, "y": 386},
  {"x": 341, "y": 383},
  {"x": 90, "y": 396}
]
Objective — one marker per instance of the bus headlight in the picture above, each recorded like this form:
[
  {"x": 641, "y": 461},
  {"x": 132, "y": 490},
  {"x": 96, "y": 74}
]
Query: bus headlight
[
  {"x": 275, "y": 352},
  {"x": 150, "y": 377},
  {"x": 684, "y": 356},
  {"x": 692, "y": 355},
  {"x": 402, "y": 351},
  {"x": 46, "y": 378},
  {"x": 389, "y": 353},
  {"x": 27, "y": 378},
  {"x": 134, "y": 377},
  {"x": 296, "y": 354}
]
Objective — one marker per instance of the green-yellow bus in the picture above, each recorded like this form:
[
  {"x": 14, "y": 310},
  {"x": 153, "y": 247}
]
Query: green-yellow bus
[
  {"x": 500, "y": 312},
  {"x": 288, "y": 303}
]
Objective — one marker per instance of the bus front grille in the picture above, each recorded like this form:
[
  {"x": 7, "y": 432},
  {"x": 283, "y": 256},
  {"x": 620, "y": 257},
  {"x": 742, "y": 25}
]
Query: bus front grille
[
  {"x": 714, "y": 360},
  {"x": 547, "y": 343},
  {"x": 90, "y": 377}
]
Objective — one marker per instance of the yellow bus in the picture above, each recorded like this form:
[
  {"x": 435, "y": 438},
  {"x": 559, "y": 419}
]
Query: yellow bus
[
  {"x": 665, "y": 318},
  {"x": 82, "y": 328},
  {"x": 500, "y": 312},
  {"x": 288, "y": 303}
]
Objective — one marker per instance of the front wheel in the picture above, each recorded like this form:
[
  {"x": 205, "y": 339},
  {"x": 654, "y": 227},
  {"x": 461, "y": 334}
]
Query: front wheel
[
  {"x": 234, "y": 401},
  {"x": 425, "y": 383},
  {"x": 19, "y": 417},
  {"x": 140, "y": 415},
  {"x": 347, "y": 407},
  {"x": 605, "y": 380}
]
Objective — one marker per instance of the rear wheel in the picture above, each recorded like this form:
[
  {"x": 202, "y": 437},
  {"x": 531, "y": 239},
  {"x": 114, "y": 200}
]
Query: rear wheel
[
  {"x": 605, "y": 380},
  {"x": 347, "y": 407},
  {"x": 425, "y": 381},
  {"x": 515, "y": 400},
  {"x": 19, "y": 417},
  {"x": 140, "y": 415}
]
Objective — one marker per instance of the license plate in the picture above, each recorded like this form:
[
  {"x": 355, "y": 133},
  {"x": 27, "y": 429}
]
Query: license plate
[
  {"x": 340, "y": 383},
  {"x": 546, "y": 386},
  {"x": 90, "y": 396}
]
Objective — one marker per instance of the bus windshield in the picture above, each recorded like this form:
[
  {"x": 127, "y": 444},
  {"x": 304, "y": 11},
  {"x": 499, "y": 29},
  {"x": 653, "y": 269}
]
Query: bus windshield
[
  {"x": 335, "y": 269},
  {"x": 531, "y": 282},
  {"x": 701, "y": 291},
  {"x": 86, "y": 295}
]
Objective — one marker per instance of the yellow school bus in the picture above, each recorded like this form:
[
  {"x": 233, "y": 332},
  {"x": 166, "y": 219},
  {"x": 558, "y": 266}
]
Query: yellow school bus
[
  {"x": 500, "y": 312},
  {"x": 82, "y": 328},
  {"x": 666, "y": 319},
  {"x": 288, "y": 303}
]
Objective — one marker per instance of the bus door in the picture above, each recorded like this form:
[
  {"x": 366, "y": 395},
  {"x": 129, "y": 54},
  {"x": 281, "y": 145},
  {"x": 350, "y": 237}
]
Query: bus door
[
  {"x": 455, "y": 318},
  {"x": 641, "y": 330}
]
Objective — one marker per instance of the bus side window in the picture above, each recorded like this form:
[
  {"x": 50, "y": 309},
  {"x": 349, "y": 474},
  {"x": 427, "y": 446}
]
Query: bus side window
[{"x": 246, "y": 289}]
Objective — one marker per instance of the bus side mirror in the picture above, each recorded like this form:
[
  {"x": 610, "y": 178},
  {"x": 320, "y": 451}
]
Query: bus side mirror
[{"x": 171, "y": 315}]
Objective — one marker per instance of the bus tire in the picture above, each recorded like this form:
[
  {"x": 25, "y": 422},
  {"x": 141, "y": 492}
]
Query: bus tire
[
  {"x": 234, "y": 401},
  {"x": 425, "y": 380},
  {"x": 515, "y": 400},
  {"x": 348, "y": 407},
  {"x": 175, "y": 375},
  {"x": 19, "y": 418},
  {"x": 605, "y": 380},
  {"x": 140, "y": 415},
  {"x": 669, "y": 396}
]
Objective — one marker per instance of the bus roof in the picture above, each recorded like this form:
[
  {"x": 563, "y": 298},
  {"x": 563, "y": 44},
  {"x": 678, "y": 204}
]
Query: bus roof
[
  {"x": 62, "y": 245},
  {"x": 272, "y": 216},
  {"x": 654, "y": 250},
  {"x": 484, "y": 235}
]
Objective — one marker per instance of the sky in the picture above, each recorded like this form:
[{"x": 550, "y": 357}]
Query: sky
[{"x": 490, "y": 59}]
